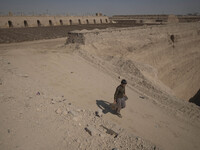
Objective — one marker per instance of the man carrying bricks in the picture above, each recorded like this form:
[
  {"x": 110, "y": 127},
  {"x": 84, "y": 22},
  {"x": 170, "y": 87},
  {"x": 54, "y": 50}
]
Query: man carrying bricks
[{"x": 120, "y": 97}]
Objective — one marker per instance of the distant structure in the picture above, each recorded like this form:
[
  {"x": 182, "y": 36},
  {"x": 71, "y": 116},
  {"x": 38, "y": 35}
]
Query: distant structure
[
  {"x": 172, "y": 19},
  {"x": 153, "y": 19},
  {"x": 188, "y": 18},
  {"x": 98, "y": 14},
  {"x": 11, "y": 21}
]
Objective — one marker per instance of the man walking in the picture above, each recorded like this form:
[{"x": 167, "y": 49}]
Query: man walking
[{"x": 120, "y": 97}]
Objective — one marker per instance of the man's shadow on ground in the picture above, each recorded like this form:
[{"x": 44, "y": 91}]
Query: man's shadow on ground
[{"x": 105, "y": 106}]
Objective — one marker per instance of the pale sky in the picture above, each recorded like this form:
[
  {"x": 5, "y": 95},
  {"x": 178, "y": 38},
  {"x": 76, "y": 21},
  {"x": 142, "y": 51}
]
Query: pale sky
[{"x": 107, "y": 7}]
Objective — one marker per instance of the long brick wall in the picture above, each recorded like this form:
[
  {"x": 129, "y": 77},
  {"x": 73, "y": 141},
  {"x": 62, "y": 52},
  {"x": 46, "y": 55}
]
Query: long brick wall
[{"x": 35, "y": 21}]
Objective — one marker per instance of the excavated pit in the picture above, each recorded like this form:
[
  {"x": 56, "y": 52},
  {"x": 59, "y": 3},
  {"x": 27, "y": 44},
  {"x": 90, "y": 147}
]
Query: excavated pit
[{"x": 155, "y": 59}]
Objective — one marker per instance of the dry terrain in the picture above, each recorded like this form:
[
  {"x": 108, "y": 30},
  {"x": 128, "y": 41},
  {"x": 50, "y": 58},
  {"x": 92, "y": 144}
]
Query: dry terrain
[
  {"x": 50, "y": 91},
  {"x": 10, "y": 35}
]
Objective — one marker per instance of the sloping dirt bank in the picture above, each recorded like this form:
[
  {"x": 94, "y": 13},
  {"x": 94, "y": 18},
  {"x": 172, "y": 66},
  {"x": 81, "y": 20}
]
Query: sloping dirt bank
[
  {"x": 49, "y": 93},
  {"x": 48, "y": 101},
  {"x": 167, "y": 57}
]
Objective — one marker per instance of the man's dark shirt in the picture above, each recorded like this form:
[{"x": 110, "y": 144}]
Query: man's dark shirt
[{"x": 120, "y": 92}]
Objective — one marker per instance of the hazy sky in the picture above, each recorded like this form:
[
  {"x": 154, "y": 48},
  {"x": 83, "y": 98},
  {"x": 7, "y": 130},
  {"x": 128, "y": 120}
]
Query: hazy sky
[{"x": 107, "y": 7}]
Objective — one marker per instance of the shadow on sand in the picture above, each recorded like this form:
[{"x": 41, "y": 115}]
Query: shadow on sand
[
  {"x": 105, "y": 106},
  {"x": 196, "y": 98}
]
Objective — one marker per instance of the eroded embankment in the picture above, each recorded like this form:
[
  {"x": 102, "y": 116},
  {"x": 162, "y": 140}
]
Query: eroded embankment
[
  {"x": 169, "y": 54},
  {"x": 160, "y": 62}
]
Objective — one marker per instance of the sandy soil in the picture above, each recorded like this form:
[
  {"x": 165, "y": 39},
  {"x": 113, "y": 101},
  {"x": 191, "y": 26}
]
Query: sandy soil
[{"x": 50, "y": 92}]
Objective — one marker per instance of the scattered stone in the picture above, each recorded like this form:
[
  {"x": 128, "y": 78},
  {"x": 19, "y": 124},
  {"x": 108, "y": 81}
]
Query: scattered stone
[
  {"x": 67, "y": 109},
  {"x": 62, "y": 100},
  {"x": 71, "y": 112},
  {"x": 78, "y": 110},
  {"x": 72, "y": 72},
  {"x": 91, "y": 130},
  {"x": 65, "y": 112},
  {"x": 101, "y": 135},
  {"x": 138, "y": 138},
  {"x": 142, "y": 97},
  {"x": 69, "y": 103},
  {"x": 99, "y": 113},
  {"x": 62, "y": 96},
  {"x": 8, "y": 62},
  {"x": 52, "y": 101},
  {"x": 23, "y": 75},
  {"x": 58, "y": 111},
  {"x": 82, "y": 110},
  {"x": 90, "y": 114},
  {"x": 110, "y": 131},
  {"x": 80, "y": 146},
  {"x": 76, "y": 140}
]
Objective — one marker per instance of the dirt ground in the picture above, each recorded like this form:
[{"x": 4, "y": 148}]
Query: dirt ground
[
  {"x": 50, "y": 91},
  {"x": 10, "y": 35}
]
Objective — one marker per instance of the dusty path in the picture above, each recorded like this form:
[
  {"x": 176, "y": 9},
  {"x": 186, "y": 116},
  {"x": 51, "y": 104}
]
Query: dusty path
[{"x": 54, "y": 70}]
